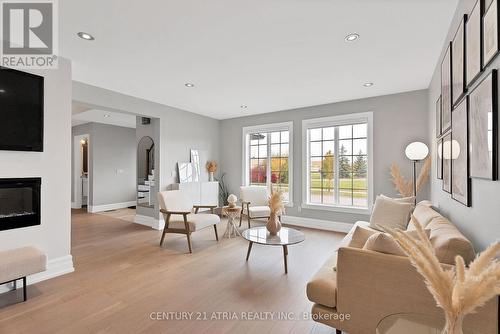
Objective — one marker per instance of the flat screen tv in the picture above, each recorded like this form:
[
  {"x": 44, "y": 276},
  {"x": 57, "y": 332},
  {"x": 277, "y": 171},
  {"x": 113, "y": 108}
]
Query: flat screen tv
[{"x": 21, "y": 111}]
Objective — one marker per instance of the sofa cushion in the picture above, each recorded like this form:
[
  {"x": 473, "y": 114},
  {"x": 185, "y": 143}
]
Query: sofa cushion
[
  {"x": 196, "y": 221},
  {"x": 424, "y": 214},
  {"x": 21, "y": 262},
  {"x": 390, "y": 213},
  {"x": 448, "y": 241},
  {"x": 358, "y": 235},
  {"x": 322, "y": 288}
]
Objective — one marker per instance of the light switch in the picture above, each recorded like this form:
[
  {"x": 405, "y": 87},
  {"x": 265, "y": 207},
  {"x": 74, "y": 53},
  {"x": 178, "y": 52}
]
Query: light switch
[{"x": 119, "y": 171}]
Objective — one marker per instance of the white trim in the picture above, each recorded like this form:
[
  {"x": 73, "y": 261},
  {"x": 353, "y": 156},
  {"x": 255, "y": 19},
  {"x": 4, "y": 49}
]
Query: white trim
[
  {"x": 55, "y": 267},
  {"x": 337, "y": 121},
  {"x": 157, "y": 224},
  {"x": 272, "y": 127},
  {"x": 112, "y": 206},
  {"x": 317, "y": 224}
]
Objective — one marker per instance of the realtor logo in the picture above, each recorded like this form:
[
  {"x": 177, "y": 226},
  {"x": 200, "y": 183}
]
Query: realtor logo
[{"x": 29, "y": 34}]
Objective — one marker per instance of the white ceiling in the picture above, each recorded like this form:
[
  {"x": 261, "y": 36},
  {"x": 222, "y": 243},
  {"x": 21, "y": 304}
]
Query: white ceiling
[
  {"x": 99, "y": 116},
  {"x": 268, "y": 54}
]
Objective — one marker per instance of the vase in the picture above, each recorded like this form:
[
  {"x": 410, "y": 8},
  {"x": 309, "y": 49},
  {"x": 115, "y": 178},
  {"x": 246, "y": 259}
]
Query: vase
[
  {"x": 211, "y": 176},
  {"x": 273, "y": 224},
  {"x": 454, "y": 324}
]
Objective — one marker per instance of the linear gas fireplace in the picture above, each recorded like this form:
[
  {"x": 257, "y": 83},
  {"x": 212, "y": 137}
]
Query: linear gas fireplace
[{"x": 19, "y": 203}]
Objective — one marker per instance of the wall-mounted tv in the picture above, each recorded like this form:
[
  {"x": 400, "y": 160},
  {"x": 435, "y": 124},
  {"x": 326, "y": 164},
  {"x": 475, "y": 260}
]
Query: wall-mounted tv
[{"x": 21, "y": 111}]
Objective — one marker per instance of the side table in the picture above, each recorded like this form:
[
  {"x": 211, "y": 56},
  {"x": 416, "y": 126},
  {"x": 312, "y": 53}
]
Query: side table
[{"x": 232, "y": 215}]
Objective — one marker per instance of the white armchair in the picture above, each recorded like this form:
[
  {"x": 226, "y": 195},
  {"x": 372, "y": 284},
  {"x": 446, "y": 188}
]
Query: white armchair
[
  {"x": 177, "y": 209},
  {"x": 254, "y": 203}
]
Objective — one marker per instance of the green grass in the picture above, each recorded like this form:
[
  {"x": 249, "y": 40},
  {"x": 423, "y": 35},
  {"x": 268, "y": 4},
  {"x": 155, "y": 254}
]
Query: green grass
[{"x": 344, "y": 183}]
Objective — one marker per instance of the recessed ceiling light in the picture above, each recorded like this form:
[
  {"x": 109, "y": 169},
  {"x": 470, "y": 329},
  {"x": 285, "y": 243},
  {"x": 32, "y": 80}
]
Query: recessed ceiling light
[
  {"x": 85, "y": 36},
  {"x": 243, "y": 106},
  {"x": 351, "y": 37},
  {"x": 189, "y": 85},
  {"x": 2, "y": 91},
  {"x": 368, "y": 84},
  {"x": 106, "y": 115}
]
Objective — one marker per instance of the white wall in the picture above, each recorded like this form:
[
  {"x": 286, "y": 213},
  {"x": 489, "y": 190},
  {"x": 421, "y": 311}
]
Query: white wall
[
  {"x": 480, "y": 222},
  {"x": 53, "y": 165}
]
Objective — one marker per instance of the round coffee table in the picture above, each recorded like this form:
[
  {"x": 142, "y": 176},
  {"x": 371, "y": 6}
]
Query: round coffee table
[
  {"x": 231, "y": 213},
  {"x": 285, "y": 237},
  {"x": 415, "y": 323}
]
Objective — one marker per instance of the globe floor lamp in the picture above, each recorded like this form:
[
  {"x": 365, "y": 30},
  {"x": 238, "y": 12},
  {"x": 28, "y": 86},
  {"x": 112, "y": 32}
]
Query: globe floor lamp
[{"x": 416, "y": 152}]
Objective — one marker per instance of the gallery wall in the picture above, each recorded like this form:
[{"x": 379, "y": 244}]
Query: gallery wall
[
  {"x": 53, "y": 165},
  {"x": 480, "y": 221},
  {"x": 398, "y": 120}
]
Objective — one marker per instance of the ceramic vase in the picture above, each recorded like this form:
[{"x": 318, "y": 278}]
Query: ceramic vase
[
  {"x": 273, "y": 224},
  {"x": 211, "y": 176}
]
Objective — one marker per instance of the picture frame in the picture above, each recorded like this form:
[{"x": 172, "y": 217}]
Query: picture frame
[
  {"x": 446, "y": 90},
  {"x": 458, "y": 88},
  {"x": 447, "y": 162},
  {"x": 460, "y": 181},
  {"x": 473, "y": 41},
  {"x": 438, "y": 117},
  {"x": 439, "y": 158},
  {"x": 491, "y": 38},
  {"x": 483, "y": 128}
]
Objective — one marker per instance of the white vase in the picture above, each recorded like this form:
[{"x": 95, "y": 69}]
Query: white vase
[{"x": 211, "y": 176}]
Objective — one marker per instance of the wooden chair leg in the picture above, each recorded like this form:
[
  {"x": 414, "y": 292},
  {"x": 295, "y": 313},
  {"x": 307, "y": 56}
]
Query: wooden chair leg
[
  {"x": 216, "y": 235},
  {"x": 162, "y": 236},
  {"x": 189, "y": 242},
  {"x": 338, "y": 331},
  {"x": 248, "y": 221},
  {"x": 241, "y": 219}
]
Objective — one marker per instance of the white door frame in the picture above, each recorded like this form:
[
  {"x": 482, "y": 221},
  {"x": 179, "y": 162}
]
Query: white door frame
[{"x": 77, "y": 165}]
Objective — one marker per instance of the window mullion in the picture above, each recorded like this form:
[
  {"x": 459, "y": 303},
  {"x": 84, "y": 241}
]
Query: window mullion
[
  {"x": 269, "y": 166},
  {"x": 336, "y": 177}
]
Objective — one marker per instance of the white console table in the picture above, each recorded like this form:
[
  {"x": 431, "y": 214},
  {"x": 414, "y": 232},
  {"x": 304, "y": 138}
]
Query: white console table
[{"x": 201, "y": 193}]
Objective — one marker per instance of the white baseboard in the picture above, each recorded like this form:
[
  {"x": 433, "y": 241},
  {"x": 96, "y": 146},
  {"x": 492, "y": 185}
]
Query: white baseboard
[
  {"x": 74, "y": 206},
  {"x": 157, "y": 224},
  {"x": 317, "y": 224},
  {"x": 112, "y": 206},
  {"x": 55, "y": 267}
]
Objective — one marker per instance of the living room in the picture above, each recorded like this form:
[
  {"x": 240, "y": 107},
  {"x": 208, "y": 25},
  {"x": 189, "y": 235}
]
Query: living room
[{"x": 151, "y": 153}]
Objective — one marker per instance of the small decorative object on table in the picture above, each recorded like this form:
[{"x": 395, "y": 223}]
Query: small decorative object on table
[
  {"x": 211, "y": 168},
  {"x": 231, "y": 200},
  {"x": 277, "y": 208},
  {"x": 457, "y": 291}
]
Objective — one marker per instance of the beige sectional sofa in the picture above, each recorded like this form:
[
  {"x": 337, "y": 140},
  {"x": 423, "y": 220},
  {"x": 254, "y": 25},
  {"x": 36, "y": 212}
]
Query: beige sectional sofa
[{"x": 356, "y": 288}]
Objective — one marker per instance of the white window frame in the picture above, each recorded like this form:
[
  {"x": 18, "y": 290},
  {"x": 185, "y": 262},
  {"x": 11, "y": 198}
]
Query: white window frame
[
  {"x": 285, "y": 126},
  {"x": 324, "y": 122}
]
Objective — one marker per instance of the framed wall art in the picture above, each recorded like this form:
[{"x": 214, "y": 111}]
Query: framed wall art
[
  {"x": 446, "y": 91},
  {"x": 447, "y": 162},
  {"x": 460, "y": 181},
  {"x": 490, "y": 31},
  {"x": 458, "y": 63},
  {"x": 438, "y": 117},
  {"x": 483, "y": 125},
  {"x": 473, "y": 34}
]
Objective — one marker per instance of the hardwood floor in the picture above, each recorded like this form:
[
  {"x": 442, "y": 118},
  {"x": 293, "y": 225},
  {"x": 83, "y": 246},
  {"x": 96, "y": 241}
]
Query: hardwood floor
[{"x": 122, "y": 277}]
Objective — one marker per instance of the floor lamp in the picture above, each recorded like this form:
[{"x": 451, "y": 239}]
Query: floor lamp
[{"x": 416, "y": 152}]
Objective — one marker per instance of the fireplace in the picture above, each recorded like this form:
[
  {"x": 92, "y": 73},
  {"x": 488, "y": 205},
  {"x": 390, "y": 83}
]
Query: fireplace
[{"x": 19, "y": 203}]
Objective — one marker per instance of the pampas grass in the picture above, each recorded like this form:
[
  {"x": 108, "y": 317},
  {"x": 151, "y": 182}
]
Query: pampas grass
[
  {"x": 211, "y": 166},
  {"x": 405, "y": 187},
  {"x": 457, "y": 291},
  {"x": 276, "y": 203}
]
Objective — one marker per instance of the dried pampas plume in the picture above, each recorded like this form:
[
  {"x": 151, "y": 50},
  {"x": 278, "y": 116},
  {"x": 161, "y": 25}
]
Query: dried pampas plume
[
  {"x": 405, "y": 187},
  {"x": 211, "y": 166},
  {"x": 276, "y": 203},
  {"x": 460, "y": 291}
]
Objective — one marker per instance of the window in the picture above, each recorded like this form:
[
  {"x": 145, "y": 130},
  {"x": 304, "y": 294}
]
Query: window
[
  {"x": 267, "y": 160},
  {"x": 337, "y": 162}
]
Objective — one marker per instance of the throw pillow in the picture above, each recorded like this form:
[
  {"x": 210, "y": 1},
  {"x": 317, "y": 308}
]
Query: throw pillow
[
  {"x": 385, "y": 243},
  {"x": 359, "y": 236},
  {"x": 390, "y": 213}
]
